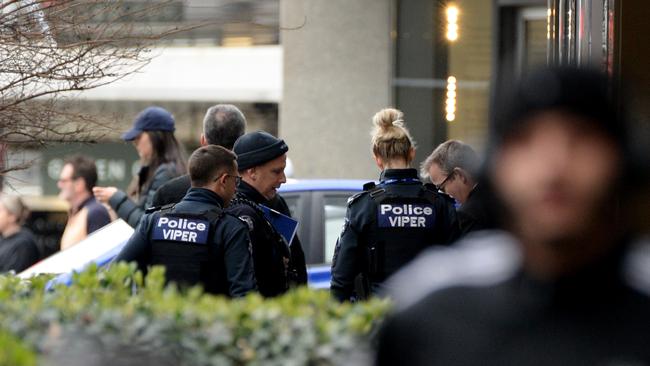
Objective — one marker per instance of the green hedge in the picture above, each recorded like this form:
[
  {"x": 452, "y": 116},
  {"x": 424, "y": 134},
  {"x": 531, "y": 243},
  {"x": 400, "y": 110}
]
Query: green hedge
[{"x": 109, "y": 317}]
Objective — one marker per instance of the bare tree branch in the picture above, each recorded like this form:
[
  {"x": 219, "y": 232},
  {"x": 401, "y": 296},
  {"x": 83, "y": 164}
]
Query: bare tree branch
[{"x": 49, "y": 48}]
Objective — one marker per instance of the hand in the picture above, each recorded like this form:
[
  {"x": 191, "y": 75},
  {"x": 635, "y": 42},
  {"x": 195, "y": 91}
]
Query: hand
[{"x": 103, "y": 194}]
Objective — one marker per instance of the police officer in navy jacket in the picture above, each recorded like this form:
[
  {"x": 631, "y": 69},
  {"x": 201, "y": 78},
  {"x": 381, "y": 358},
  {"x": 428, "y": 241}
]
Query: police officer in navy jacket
[
  {"x": 195, "y": 239},
  {"x": 261, "y": 158},
  {"x": 387, "y": 225}
]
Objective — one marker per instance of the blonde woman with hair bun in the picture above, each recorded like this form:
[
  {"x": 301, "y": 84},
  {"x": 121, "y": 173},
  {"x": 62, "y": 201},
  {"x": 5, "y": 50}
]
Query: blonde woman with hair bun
[
  {"x": 391, "y": 222},
  {"x": 18, "y": 249}
]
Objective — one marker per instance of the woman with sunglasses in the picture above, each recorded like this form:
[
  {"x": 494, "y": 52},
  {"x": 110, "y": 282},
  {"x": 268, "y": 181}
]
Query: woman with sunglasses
[{"x": 389, "y": 223}]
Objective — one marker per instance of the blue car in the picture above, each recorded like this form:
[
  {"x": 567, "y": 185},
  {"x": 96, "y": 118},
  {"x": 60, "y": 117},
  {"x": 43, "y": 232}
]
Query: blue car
[{"x": 319, "y": 205}]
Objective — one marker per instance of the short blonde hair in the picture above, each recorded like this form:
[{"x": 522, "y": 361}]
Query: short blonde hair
[
  {"x": 390, "y": 137},
  {"x": 15, "y": 206}
]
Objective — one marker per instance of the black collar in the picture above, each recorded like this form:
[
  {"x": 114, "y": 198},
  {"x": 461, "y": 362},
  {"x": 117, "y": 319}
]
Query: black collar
[
  {"x": 249, "y": 192},
  {"x": 408, "y": 173},
  {"x": 203, "y": 195}
]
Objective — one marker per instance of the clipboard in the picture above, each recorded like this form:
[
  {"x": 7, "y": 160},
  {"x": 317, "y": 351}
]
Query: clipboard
[{"x": 285, "y": 225}]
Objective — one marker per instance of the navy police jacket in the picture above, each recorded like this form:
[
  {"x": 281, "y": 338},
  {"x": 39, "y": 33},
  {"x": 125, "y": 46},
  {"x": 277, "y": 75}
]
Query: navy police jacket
[
  {"x": 386, "y": 226},
  {"x": 276, "y": 265},
  {"x": 197, "y": 243}
]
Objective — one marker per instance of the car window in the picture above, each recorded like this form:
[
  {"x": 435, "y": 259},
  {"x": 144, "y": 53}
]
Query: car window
[
  {"x": 334, "y": 207},
  {"x": 292, "y": 201}
]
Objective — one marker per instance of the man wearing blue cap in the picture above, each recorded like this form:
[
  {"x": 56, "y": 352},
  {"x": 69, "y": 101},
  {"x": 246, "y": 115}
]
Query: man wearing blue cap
[{"x": 261, "y": 159}]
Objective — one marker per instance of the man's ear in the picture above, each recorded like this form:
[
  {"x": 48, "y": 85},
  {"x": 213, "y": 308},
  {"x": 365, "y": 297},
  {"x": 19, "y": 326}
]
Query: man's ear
[
  {"x": 252, "y": 173},
  {"x": 79, "y": 184},
  {"x": 203, "y": 141},
  {"x": 462, "y": 175},
  {"x": 223, "y": 179}
]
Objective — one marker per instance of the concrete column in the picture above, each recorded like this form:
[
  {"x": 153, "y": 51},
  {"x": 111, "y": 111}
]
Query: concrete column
[{"x": 337, "y": 74}]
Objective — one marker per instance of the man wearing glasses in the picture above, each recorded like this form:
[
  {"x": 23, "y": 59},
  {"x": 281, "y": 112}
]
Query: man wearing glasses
[
  {"x": 86, "y": 215},
  {"x": 453, "y": 168},
  {"x": 262, "y": 159},
  {"x": 194, "y": 239}
]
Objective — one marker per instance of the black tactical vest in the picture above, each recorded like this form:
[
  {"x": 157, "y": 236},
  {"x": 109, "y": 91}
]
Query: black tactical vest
[
  {"x": 271, "y": 253},
  {"x": 406, "y": 223},
  {"x": 183, "y": 243}
]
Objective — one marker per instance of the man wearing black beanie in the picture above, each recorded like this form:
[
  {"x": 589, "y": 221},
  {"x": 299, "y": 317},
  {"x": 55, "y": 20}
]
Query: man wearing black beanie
[
  {"x": 261, "y": 159},
  {"x": 564, "y": 284}
]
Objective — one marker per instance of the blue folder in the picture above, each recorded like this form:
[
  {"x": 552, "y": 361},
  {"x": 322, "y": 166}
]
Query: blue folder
[{"x": 284, "y": 224}]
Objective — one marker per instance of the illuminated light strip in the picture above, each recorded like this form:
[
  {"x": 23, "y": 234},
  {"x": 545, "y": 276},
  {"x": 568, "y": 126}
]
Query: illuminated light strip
[
  {"x": 450, "y": 102},
  {"x": 548, "y": 23},
  {"x": 452, "y": 23}
]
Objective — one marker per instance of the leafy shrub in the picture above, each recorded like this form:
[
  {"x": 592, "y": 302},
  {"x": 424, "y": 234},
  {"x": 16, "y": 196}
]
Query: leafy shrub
[
  {"x": 109, "y": 316},
  {"x": 14, "y": 353}
]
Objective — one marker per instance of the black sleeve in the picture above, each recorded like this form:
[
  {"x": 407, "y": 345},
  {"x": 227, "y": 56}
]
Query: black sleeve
[
  {"x": 467, "y": 223},
  {"x": 125, "y": 208},
  {"x": 160, "y": 196},
  {"x": 297, "y": 265},
  {"x": 449, "y": 224},
  {"x": 172, "y": 191},
  {"x": 137, "y": 248},
  {"x": 25, "y": 254},
  {"x": 238, "y": 259},
  {"x": 132, "y": 212}
]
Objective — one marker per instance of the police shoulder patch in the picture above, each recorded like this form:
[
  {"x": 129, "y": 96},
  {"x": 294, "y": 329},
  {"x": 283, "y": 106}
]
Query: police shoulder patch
[
  {"x": 368, "y": 186},
  {"x": 355, "y": 197},
  {"x": 249, "y": 221}
]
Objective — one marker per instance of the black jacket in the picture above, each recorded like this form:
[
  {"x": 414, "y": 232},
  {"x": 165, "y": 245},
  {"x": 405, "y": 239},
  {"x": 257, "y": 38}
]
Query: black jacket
[
  {"x": 131, "y": 211},
  {"x": 477, "y": 306},
  {"x": 475, "y": 213},
  {"x": 230, "y": 240},
  {"x": 18, "y": 251},
  {"x": 262, "y": 239},
  {"x": 172, "y": 191},
  {"x": 373, "y": 234}
]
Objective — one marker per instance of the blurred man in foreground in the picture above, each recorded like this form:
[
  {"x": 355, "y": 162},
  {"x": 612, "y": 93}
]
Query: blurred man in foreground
[{"x": 565, "y": 286}]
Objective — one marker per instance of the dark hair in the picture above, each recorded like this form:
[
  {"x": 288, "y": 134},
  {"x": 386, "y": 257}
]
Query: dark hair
[
  {"x": 166, "y": 150},
  {"x": 581, "y": 92},
  {"x": 208, "y": 162},
  {"x": 83, "y": 167},
  {"x": 223, "y": 125}
]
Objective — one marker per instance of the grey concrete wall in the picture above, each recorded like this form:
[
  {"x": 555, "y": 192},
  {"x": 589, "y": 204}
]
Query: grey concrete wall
[{"x": 337, "y": 72}]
